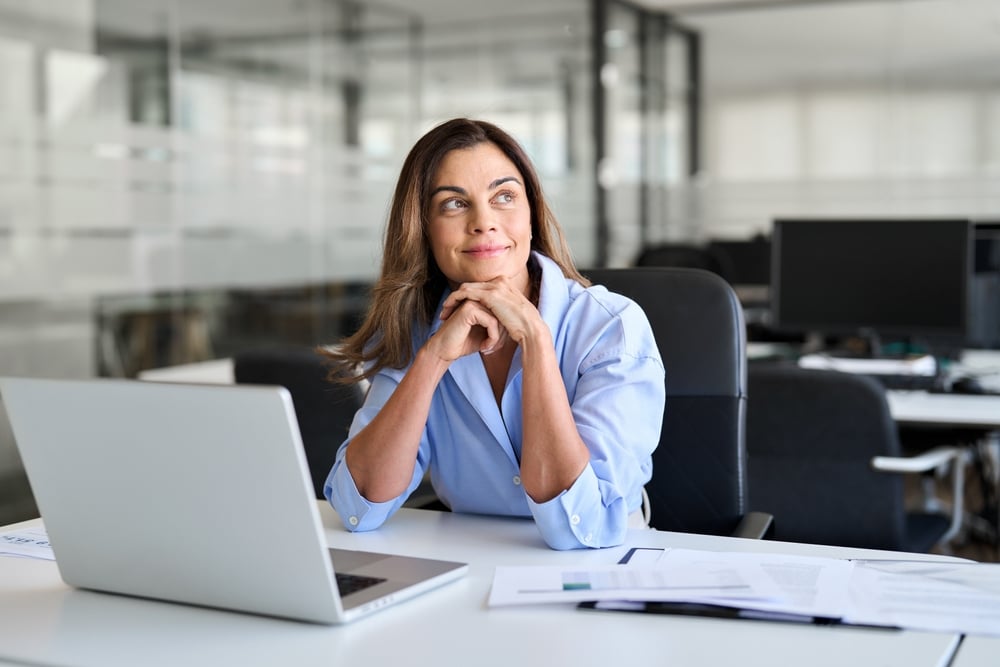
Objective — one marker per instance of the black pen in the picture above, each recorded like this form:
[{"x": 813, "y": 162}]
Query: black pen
[{"x": 706, "y": 610}]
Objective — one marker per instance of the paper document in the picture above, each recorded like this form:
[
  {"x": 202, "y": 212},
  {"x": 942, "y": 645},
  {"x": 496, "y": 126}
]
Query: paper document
[
  {"x": 765, "y": 582},
  {"x": 941, "y": 597},
  {"x": 26, "y": 543},
  {"x": 542, "y": 584},
  {"x": 931, "y": 595}
]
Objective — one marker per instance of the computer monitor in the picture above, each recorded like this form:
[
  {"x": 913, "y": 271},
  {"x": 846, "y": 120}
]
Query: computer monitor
[
  {"x": 984, "y": 290},
  {"x": 904, "y": 278},
  {"x": 748, "y": 261},
  {"x": 987, "y": 247}
]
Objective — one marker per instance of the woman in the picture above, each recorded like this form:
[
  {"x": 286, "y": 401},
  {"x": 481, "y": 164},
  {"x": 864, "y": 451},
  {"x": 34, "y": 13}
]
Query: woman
[{"x": 491, "y": 363}]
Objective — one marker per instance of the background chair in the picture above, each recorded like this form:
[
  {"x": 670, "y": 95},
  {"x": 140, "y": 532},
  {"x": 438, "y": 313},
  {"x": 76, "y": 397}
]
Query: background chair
[
  {"x": 812, "y": 438},
  {"x": 699, "y": 468},
  {"x": 686, "y": 255},
  {"x": 324, "y": 409}
]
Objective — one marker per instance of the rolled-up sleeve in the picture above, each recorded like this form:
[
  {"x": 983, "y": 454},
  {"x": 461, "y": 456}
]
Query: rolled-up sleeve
[
  {"x": 617, "y": 399},
  {"x": 356, "y": 512}
]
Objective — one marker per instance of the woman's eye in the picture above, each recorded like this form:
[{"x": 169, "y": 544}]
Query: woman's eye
[
  {"x": 504, "y": 198},
  {"x": 452, "y": 205}
]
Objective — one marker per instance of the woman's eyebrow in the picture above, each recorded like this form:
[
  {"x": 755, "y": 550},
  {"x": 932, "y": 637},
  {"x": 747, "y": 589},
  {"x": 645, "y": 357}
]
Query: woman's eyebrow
[
  {"x": 500, "y": 181},
  {"x": 462, "y": 191},
  {"x": 449, "y": 188}
]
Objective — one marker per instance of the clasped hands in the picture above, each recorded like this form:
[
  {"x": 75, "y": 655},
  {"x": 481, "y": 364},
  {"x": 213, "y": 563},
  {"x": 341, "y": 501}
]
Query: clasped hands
[{"x": 483, "y": 317}]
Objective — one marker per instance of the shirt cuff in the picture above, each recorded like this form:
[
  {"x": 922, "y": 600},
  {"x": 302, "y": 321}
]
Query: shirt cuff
[
  {"x": 580, "y": 517},
  {"x": 356, "y": 512}
]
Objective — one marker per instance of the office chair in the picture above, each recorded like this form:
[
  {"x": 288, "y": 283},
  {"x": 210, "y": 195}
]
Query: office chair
[
  {"x": 324, "y": 409},
  {"x": 823, "y": 452},
  {"x": 685, "y": 255},
  {"x": 699, "y": 468}
]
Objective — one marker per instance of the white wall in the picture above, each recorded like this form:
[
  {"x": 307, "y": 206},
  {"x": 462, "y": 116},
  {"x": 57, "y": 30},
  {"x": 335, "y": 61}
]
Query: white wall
[{"x": 874, "y": 108}]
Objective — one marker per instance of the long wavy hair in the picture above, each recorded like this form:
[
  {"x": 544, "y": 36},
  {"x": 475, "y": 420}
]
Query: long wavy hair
[{"x": 410, "y": 286}]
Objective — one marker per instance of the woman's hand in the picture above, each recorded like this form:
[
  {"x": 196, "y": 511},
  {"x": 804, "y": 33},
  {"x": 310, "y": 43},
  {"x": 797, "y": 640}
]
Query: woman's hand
[
  {"x": 553, "y": 455},
  {"x": 468, "y": 327},
  {"x": 514, "y": 314}
]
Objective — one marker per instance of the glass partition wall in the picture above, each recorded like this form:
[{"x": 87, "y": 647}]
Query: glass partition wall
[
  {"x": 183, "y": 179},
  {"x": 646, "y": 115},
  {"x": 187, "y": 178}
]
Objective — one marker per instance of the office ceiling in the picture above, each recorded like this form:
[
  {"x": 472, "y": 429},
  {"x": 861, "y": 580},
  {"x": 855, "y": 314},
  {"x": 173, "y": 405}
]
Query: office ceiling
[
  {"x": 928, "y": 43},
  {"x": 757, "y": 44},
  {"x": 748, "y": 44}
]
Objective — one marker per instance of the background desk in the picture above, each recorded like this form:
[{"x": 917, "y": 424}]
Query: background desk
[
  {"x": 908, "y": 407},
  {"x": 43, "y": 622},
  {"x": 920, "y": 408}
]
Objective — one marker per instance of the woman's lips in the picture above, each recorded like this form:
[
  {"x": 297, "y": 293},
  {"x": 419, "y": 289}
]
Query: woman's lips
[{"x": 485, "y": 251}]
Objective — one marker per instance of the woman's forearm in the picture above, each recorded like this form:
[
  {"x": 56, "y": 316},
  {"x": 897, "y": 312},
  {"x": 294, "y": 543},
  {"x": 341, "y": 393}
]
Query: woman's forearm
[
  {"x": 553, "y": 454},
  {"x": 381, "y": 456}
]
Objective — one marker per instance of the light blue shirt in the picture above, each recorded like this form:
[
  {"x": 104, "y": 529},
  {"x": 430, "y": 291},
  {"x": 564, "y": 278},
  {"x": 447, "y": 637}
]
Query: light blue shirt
[{"x": 614, "y": 380}]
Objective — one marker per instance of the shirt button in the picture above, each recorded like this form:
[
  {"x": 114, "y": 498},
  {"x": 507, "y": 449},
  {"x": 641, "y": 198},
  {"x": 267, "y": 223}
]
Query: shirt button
[
  {"x": 588, "y": 538},
  {"x": 575, "y": 519},
  {"x": 517, "y": 480},
  {"x": 353, "y": 521}
]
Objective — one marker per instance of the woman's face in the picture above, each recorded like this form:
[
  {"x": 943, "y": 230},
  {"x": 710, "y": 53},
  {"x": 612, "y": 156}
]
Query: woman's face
[{"x": 480, "y": 220}]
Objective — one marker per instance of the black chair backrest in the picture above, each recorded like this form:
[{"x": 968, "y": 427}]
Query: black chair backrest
[
  {"x": 687, "y": 256},
  {"x": 811, "y": 435},
  {"x": 324, "y": 409},
  {"x": 699, "y": 467}
]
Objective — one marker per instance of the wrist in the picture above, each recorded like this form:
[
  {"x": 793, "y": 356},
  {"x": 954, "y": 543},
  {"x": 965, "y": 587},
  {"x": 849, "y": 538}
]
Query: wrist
[
  {"x": 430, "y": 361},
  {"x": 537, "y": 339}
]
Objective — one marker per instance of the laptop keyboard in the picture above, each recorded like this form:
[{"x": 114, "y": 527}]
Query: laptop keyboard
[{"x": 352, "y": 583}]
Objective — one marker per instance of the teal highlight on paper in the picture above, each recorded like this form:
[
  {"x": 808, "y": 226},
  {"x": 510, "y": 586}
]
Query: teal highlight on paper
[{"x": 575, "y": 581}]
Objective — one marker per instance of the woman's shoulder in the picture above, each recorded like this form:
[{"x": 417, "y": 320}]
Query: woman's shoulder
[
  {"x": 607, "y": 323},
  {"x": 585, "y": 308},
  {"x": 599, "y": 298}
]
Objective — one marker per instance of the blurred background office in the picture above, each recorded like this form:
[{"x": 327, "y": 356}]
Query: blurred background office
[{"x": 184, "y": 179}]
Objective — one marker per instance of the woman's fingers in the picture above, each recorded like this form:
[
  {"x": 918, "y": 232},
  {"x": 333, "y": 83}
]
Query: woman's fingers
[
  {"x": 469, "y": 328},
  {"x": 492, "y": 343},
  {"x": 488, "y": 294}
]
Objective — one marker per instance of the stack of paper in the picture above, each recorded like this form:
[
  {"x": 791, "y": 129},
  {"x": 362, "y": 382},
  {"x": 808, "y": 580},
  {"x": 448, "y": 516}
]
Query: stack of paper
[
  {"x": 26, "y": 543},
  {"x": 944, "y": 596}
]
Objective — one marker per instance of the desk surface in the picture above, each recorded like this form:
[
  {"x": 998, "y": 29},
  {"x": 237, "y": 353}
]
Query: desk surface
[
  {"x": 963, "y": 410},
  {"x": 42, "y": 621},
  {"x": 975, "y": 651}
]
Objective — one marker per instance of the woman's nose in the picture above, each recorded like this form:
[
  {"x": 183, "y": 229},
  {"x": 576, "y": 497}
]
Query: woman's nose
[{"x": 482, "y": 220}]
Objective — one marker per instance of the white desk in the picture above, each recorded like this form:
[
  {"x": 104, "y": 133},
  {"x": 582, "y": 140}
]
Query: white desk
[
  {"x": 215, "y": 371},
  {"x": 43, "y": 622},
  {"x": 947, "y": 410},
  {"x": 920, "y": 408},
  {"x": 976, "y": 651}
]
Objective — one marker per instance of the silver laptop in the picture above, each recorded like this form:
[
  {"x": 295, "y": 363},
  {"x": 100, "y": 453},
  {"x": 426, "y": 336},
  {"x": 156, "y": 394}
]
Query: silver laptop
[{"x": 198, "y": 494}]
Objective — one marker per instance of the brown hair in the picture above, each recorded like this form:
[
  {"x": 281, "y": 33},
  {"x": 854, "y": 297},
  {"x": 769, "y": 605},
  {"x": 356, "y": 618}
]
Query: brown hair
[{"x": 410, "y": 285}]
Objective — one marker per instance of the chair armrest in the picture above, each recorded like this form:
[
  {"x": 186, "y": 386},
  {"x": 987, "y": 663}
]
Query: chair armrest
[
  {"x": 929, "y": 460},
  {"x": 755, "y": 526},
  {"x": 934, "y": 459}
]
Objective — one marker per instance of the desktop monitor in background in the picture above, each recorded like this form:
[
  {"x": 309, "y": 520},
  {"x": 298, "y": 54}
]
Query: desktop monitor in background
[
  {"x": 747, "y": 267},
  {"x": 984, "y": 290},
  {"x": 748, "y": 261},
  {"x": 902, "y": 280},
  {"x": 986, "y": 237}
]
